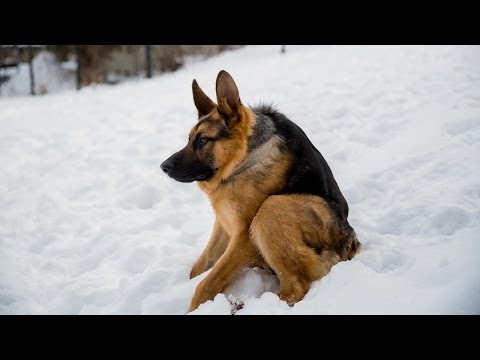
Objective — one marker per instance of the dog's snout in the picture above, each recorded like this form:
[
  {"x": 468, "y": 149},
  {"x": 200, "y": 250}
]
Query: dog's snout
[{"x": 166, "y": 166}]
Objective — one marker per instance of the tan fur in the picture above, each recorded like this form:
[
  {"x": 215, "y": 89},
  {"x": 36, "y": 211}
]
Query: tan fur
[
  {"x": 240, "y": 253},
  {"x": 215, "y": 248},
  {"x": 292, "y": 232}
]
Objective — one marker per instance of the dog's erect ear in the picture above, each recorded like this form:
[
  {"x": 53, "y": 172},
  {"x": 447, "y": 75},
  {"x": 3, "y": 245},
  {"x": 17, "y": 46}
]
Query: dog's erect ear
[
  {"x": 228, "y": 97},
  {"x": 202, "y": 102}
]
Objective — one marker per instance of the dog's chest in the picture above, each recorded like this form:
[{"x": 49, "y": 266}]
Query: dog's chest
[
  {"x": 237, "y": 206},
  {"x": 237, "y": 201}
]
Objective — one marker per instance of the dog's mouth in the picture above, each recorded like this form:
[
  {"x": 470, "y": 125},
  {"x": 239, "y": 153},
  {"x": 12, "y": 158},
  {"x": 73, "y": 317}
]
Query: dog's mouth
[
  {"x": 188, "y": 179},
  {"x": 204, "y": 177}
]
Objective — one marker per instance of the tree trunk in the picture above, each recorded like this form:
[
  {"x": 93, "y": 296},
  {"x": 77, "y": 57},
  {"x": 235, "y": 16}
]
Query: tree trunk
[{"x": 91, "y": 62}]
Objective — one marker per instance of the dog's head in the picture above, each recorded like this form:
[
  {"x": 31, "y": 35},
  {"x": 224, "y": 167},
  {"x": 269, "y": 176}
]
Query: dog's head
[{"x": 219, "y": 139}]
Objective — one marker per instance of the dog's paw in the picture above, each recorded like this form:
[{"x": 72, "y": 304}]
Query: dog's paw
[
  {"x": 197, "y": 270},
  {"x": 288, "y": 298},
  {"x": 292, "y": 296}
]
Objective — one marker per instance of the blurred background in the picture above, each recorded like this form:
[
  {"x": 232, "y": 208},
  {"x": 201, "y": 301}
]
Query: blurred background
[{"x": 42, "y": 69}]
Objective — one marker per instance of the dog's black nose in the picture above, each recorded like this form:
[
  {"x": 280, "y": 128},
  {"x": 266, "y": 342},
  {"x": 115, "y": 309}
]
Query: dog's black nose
[{"x": 166, "y": 166}]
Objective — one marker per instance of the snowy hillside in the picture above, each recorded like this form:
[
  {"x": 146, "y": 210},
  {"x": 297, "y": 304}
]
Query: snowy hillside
[{"x": 90, "y": 224}]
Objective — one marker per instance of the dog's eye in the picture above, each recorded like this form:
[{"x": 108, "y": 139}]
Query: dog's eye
[{"x": 202, "y": 141}]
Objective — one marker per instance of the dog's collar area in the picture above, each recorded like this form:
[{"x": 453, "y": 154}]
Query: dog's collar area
[{"x": 257, "y": 156}]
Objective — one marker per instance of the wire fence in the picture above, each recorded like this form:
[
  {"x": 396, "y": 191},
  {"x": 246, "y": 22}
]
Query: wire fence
[{"x": 42, "y": 69}]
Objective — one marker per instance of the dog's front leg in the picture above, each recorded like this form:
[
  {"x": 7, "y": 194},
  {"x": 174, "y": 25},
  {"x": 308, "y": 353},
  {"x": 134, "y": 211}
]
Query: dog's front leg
[
  {"x": 239, "y": 253},
  {"x": 215, "y": 248}
]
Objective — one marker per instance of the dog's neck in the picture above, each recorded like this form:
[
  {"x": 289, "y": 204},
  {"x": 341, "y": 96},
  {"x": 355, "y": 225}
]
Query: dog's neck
[
  {"x": 259, "y": 154},
  {"x": 262, "y": 153},
  {"x": 260, "y": 144}
]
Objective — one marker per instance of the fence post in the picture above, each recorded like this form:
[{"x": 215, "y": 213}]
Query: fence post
[
  {"x": 78, "y": 73},
  {"x": 135, "y": 60},
  {"x": 30, "y": 63},
  {"x": 148, "y": 60}
]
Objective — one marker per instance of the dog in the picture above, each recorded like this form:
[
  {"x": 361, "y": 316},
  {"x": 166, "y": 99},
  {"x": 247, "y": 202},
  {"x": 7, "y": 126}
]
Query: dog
[{"x": 276, "y": 202}]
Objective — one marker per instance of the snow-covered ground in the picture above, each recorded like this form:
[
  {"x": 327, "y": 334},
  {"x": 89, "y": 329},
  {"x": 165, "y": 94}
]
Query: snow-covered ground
[
  {"x": 49, "y": 76},
  {"x": 89, "y": 223}
]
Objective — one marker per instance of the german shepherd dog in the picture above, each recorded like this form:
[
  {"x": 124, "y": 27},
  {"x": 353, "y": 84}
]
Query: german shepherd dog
[{"x": 276, "y": 202}]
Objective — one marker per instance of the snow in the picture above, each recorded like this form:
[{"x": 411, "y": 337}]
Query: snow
[
  {"x": 89, "y": 223},
  {"x": 49, "y": 76}
]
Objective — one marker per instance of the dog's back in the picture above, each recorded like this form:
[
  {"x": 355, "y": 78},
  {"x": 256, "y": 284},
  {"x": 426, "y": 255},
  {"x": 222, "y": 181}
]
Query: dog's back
[{"x": 309, "y": 172}]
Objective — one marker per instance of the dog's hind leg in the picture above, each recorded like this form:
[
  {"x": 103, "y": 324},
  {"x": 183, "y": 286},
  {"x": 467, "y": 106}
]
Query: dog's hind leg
[
  {"x": 215, "y": 248},
  {"x": 294, "y": 235}
]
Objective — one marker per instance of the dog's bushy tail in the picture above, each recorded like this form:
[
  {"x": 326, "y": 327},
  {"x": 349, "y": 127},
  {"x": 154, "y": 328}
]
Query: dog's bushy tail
[{"x": 349, "y": 245}]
